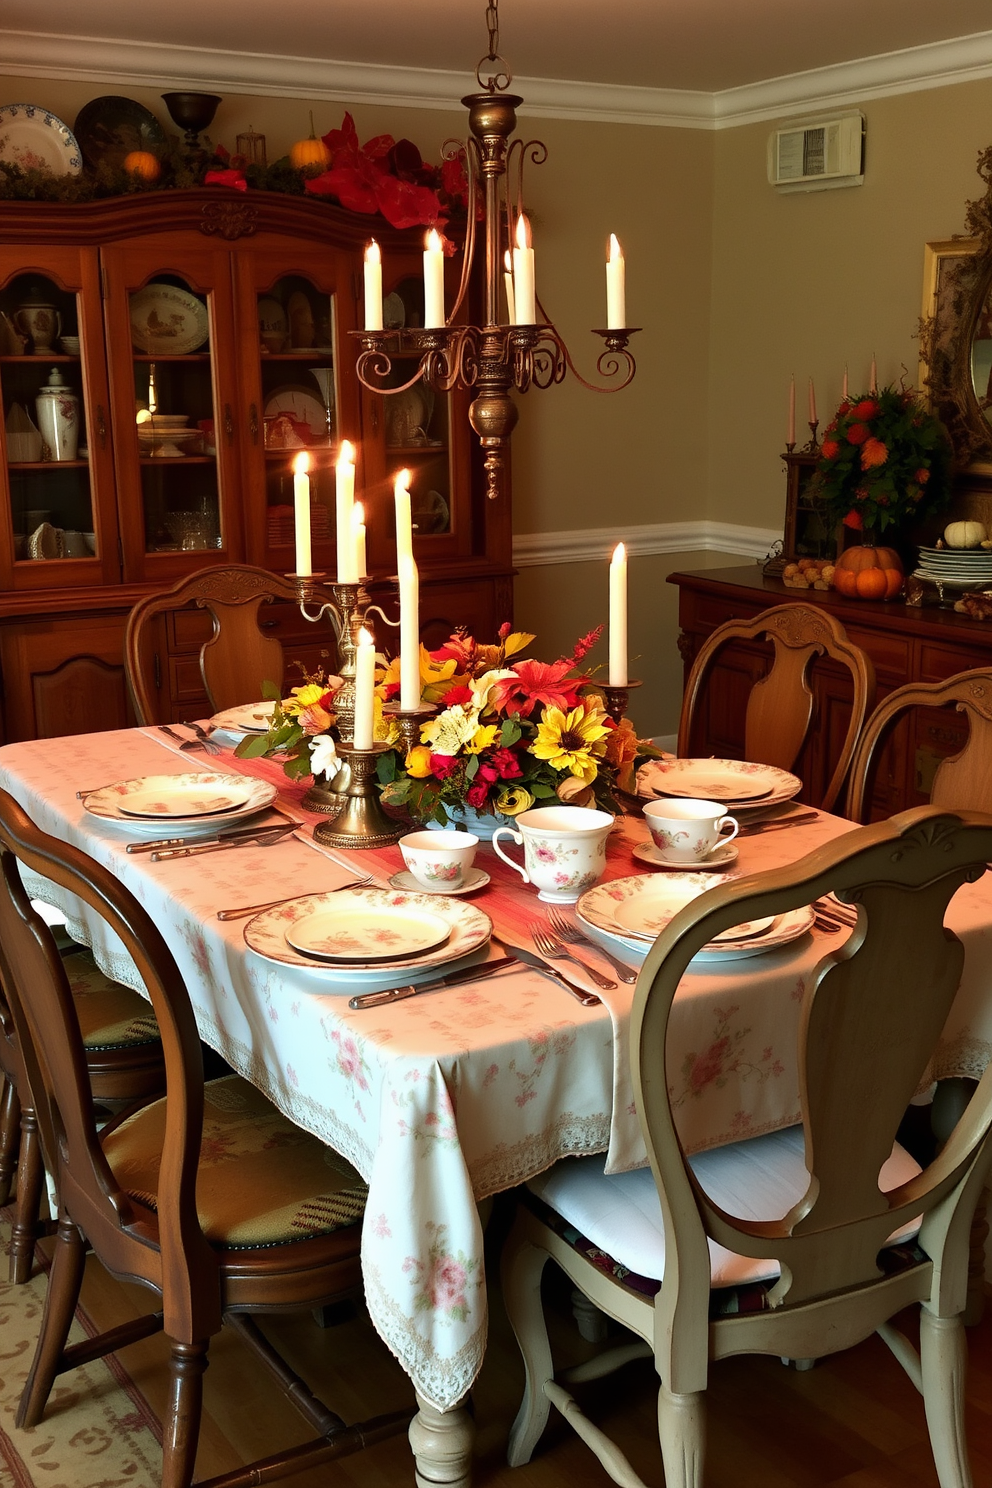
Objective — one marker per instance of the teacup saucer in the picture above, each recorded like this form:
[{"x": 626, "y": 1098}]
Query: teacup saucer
[
  {"x": 720, "y": 857},
  {"x": 474, "y": 879}
]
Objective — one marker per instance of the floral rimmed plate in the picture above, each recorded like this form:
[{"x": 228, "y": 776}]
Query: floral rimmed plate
[
  {"x": 167, "y": 320},
  {"x": 367, "y": 934},
  {"x": 783, "y": 929},
  {"x": 469, "y": 930},
  {"x": 163, "y": 796},
  {"x": 737, "y": 783},
  {"x": 112, "y": 802},
  {"x": 249, "y": 718},
  {"x": 34, "y": 139}
]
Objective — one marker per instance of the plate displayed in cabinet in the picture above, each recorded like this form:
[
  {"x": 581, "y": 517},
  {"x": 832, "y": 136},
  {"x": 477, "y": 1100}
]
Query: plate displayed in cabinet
[
  {"x": 34, "y": 139},
  {"x": 301, "y": 322},
  {"x": 303, "y": 406},
  {"x": 273, "y": 327},
  {"x": 167, "y": 321}
]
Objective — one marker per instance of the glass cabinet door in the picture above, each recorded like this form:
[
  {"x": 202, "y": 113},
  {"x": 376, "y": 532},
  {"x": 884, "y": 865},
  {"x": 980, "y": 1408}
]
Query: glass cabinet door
[
  {"x": 172, "y": 349},
  {"x": 294, "y": 309},
  {"x": 58, "y": 523}
]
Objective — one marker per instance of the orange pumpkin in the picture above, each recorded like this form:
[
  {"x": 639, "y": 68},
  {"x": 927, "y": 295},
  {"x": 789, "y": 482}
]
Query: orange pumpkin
[
  {"x": 143, "y": 164},
  {"x": 309, "y": 153},
  {"x": 868, "y": 573}
]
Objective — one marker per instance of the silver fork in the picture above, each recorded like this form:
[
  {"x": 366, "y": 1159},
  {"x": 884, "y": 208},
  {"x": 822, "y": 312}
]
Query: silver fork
[
  {"x": 555, "y": 951},
  {"x": 204, "y": 734},
  {"x": 572, "y": 935},
  {"x": 188, "y": 744},
  {"x": 250, "y": 909}
]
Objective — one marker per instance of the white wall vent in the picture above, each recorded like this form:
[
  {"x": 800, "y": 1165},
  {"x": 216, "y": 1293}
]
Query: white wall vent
[{"x": 814, "y": 154}]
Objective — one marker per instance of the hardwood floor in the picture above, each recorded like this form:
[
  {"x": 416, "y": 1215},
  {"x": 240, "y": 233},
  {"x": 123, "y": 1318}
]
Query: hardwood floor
[{"x": 854, "y": 1421}]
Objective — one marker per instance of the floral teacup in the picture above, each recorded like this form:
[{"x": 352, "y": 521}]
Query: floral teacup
[
  {"x": 564, "y": 849},
  {"x": 687, "y": 831},
  {"x": 439, "y": 860}
]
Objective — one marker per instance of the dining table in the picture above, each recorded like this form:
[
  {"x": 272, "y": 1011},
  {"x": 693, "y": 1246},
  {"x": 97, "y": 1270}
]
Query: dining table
[{"x": 446, "y": 1098}]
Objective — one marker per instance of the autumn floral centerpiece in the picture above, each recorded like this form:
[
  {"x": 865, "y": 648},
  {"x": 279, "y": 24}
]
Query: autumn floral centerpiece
[
  {"x": 508, "y": 733},
  {"x": 884, "y": 462}
]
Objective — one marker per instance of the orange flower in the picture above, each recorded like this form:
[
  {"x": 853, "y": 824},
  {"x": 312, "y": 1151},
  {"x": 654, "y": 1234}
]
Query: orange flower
[
  {"x": 921, "y": 477},
  {"x": 830, "y": 449},
  {"x": 874, "y": 452}
]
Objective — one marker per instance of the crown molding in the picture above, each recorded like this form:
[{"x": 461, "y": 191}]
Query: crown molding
[
  {"x": 595, "y": 544},
  {"x": 119, "y": 63}
]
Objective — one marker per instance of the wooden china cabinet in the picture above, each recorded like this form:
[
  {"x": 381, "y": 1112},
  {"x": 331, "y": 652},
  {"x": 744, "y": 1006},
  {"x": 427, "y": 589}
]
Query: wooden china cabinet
[{"x": 213, "y": 343}]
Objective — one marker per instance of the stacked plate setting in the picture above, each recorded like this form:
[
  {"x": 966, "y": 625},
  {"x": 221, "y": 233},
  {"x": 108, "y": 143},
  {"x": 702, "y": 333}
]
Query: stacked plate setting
[
  {"x": 958, "y": 568},
  {"x": 199, "y": 803},
  {"x": 736, "y": 784},
  {"x": 627, "y": 915},
  {"x": 364, "y": 940}
]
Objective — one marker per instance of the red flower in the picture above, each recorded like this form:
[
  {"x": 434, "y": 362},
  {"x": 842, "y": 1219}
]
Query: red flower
[
  {"x": 585, "y": 644},
  {"x": 506, "y": 764},
  {"x": 921, "y": 477},
  {"x": 830, "y": 449},
  {"x": 865, "y": 410},
  {"x": 458, "y": 647},
  {"x": 858, "y": 433},
  {"x": 226, "y": 178},
  {"x": 363, "y": 180},
  {"x": 536, "y": 683},
  {"x": 873, "y": 452},
  {"x": 476, "y": 794},
  {"x": 844, "y": 408},
  {"x": 442, "y": 765},
  {"x": 461, "y": 694},
  {"x": 853, "y": 519}
]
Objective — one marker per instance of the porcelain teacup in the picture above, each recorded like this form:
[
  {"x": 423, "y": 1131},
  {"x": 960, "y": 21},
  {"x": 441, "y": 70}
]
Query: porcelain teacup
[
  {"x": 439, "y": 860},
  {"x": 564, "y": 849},
  {"x": 687, "y": 830}
]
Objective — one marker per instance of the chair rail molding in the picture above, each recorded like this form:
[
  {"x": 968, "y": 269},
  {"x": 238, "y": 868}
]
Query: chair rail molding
[
  {"x": 593, "y": 544},
  {"x": 153, "y": 64}
]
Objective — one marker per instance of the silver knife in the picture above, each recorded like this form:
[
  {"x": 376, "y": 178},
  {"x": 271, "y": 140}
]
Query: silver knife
[
  {"x": 163, "y": 842},
  {"x": 263, "y": 837},
  {"x": 587, "y": 998},
  {"x": 470, "y": 974}
]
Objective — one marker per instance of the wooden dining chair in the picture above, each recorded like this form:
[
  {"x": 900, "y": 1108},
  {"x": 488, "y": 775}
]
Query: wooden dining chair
[
  {"x": 210, "y": 1197},
  {"x": 124, "y": 1065},
  {"x": 797, "y": 1243},
  {"x": 780, "y": 705},
  {"x": 237, "y": 658},
  {"x": 964, "y": 780}
]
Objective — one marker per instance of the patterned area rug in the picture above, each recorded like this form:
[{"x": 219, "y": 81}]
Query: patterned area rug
[{"x": 98, "y": 1430}]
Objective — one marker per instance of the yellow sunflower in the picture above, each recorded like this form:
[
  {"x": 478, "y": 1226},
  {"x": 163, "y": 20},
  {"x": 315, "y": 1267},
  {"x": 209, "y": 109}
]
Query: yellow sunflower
[{"x": 572, "y": 741}]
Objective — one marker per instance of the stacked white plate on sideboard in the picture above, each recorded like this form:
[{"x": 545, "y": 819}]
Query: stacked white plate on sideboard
[{"x": 957, "y": 568}]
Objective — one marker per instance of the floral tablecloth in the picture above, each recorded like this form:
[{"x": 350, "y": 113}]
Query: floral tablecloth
[{"x": 449, "y": 1097}]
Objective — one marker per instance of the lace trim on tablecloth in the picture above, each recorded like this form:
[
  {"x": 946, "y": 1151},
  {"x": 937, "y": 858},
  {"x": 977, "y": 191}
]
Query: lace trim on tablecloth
[
  {"x": 442, "y": 1381},
  {"x": 117, "y": 965},
  {"x": 963, "y": 1057},
  {"x": 568, "y": 1136}
]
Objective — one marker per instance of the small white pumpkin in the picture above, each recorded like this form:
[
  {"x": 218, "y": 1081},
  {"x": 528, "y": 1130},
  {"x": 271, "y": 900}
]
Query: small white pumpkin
[{"x": 964, "y": 534}]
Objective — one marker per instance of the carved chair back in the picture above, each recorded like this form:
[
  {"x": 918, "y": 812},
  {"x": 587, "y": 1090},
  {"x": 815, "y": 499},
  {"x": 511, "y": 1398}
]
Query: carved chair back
[
  {"x": 964, "y": 780},
  {"x": 781, "y": 704},
  {"x": 872, "y": 1015},
  {"x": 237, "y": 658},
  {"x": 177, "y": 1258}
]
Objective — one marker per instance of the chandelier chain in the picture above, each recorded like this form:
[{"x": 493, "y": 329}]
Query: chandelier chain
[{"x": 498, "y": 77}]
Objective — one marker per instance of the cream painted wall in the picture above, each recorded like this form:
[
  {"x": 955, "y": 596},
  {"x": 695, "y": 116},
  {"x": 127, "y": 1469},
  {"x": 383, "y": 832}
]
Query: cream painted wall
[{"x": 807, "y": 282}]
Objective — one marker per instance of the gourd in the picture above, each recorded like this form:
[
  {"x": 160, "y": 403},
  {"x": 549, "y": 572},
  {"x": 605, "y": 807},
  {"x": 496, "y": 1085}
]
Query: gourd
[
  {"x": 964, "y": 534},
  {"x": 311, "y": 152},
  {"x": 143, "y": 164},
  {"x": 868, "y": 573}
]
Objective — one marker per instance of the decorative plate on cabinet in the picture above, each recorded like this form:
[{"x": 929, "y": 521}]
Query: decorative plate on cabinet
[
  {"x": 109, "y": 128},
  {"x": 167, "y": 321},
  {"x": 34, "y": 139}
]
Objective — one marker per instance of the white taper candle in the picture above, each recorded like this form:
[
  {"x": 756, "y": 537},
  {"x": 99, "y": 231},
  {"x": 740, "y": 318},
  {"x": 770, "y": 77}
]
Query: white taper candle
[
  {"x": 373, "y": 287},
  {"x": 409, "y": 634},
  {"x": 616, "y": 293},
  {"x": 433, "y": 281},
  {"x": 618, "y": 617},
  {"x": 301, "y": 506},
  {"x": 523, "y": 275},
  {"x": 404, "y": 520},
  {"x": 364, "y": 690},
  {"x": 344, "y": 501}
]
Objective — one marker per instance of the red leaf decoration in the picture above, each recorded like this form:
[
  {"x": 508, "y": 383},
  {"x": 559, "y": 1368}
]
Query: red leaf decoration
[{"x": 226, "y": 178}]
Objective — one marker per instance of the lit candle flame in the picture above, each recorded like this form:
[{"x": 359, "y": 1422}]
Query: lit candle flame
[
  {"x": 302, "y": 463},
  {"x": 346, "y": 454},
  {"x": 508, "y": 262},
  {"x": 373, "y": 254},
  {"x": 523, "y": 232},
  {"x": 364, "y": 638},
  {"x": 433, "y": 242},
  {"x": 615, "y": 251}
]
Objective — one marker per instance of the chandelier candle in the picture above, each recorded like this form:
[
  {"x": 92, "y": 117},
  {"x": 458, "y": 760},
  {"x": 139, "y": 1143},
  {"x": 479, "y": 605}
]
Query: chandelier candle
[
  {"x": 409, "y": 634},
  {"x": 433, "y": 282},
  {"x": 791, "y": 436},
  {"x": 344, "y": 501},
  {"x": 301, "y": 508},
  {"x": 812, "y": 403},
  {"x": 523, "y": 276},
  {"x": 618, "y": 617},
  {"x": 511, "y": 307},
  {"x": 364, "y": 686},
  {"x": 358, "y": 540},
  {"x": 404, "y": 520},
  {"x": 373, "y": 287},
  {"x": 616, "y": 294}
]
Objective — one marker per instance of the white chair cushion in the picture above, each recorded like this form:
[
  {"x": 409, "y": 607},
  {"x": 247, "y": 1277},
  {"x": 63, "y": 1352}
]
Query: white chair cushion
[{"x": 761, "y": 1178}]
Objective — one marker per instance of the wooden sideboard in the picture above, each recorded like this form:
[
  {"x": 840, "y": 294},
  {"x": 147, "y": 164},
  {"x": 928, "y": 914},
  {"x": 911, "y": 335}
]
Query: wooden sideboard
[{"x": 905, "y": 644}]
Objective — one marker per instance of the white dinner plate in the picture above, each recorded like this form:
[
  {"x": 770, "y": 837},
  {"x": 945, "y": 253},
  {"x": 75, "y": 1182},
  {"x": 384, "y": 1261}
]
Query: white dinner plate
[
  {"x": 35, "y": 139},
  {"x": 112, "y": 802},
  {"x": 469, "y": 931},
  {"x": 248, "y": 718},
  {"x": 365, "y": 934},
  {"x": 167, "y": 320},
  {"x": 162, "y": 796},
  {"x": 784, "y": 928},
  {"x": 737, "y": 784},
  {"x": 662, "y": 897}
]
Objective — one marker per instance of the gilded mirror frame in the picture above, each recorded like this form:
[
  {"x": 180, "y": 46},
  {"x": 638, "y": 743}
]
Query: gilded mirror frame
[{"x": 957, "y": 279}]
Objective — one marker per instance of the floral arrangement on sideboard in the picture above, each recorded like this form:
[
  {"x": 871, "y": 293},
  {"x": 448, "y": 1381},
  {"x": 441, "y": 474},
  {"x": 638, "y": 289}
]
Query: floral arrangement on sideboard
[
  {"x": 508, "y": 733},
  {"x": 885, "y": 461},
  {"x": 385, "y": 176}
]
